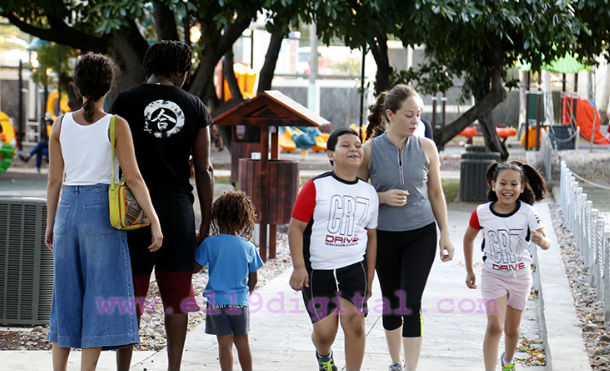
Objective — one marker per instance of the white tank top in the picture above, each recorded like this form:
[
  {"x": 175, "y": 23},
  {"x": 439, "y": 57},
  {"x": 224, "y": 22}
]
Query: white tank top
[{"x": 86, "y": 151}]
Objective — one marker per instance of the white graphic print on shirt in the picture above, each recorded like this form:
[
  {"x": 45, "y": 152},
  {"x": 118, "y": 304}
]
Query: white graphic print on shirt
[
  {"x": 506, "y": 238},
  {"x": 339, "y": 214},
  {"x": 163, "y": 118}
]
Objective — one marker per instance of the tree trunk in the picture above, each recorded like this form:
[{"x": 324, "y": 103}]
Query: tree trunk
[
  {"x": 127, "y": 49},
  {"x": 229, "y": 75},
  {"x": 165, "y": 22},
  {"x": 379, "y": 49},
  {"x": 268, "y": 70},
  {"x": 490, "y": 135},
  {"x": 203, "y": 83},
  {"x": 489, "y": 92},
  {"x": 483, "y": 106}
]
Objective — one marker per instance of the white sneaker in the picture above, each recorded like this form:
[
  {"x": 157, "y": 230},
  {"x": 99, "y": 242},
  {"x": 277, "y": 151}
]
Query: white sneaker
[{"x": 396, "y": 367}]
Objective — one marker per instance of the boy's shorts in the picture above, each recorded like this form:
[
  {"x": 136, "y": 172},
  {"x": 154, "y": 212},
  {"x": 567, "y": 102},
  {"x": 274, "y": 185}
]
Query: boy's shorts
[
  {"x": 227, "y": 319},
  {"x": 327, "y": 285},
  {"x": 517, "y": 287}
]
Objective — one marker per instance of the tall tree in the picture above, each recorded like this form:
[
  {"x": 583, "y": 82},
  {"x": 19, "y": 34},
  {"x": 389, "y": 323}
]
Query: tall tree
[
  {"x": 122, "y": 29},
  {"x": 479, "y": 40}
]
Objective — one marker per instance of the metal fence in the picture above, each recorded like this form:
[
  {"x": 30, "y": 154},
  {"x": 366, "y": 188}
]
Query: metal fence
[{"x": 591, "y": 232}]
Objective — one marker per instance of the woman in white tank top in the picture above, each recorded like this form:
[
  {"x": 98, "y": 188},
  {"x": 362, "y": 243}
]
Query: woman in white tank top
[{"x": 92, "y": 276}]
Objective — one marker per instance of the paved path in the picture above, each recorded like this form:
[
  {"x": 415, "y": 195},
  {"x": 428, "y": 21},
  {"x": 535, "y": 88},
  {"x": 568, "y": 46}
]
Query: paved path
[
  {"x": 280, "y": 330},
  {"x": 280, "y": 339}
]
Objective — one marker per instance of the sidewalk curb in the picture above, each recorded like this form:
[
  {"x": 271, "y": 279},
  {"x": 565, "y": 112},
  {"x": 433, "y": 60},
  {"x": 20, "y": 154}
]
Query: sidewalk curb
[{"x": 562, "y": 334}]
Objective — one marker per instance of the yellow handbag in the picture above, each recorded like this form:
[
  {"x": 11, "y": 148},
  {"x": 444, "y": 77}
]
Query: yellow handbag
[{"x": 125, "y": 213}]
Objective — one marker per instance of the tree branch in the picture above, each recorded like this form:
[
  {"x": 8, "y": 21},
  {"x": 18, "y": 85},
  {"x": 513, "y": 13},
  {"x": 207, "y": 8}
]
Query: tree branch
[
  {"x": 229, "y": 74},
  {"x": 231, "y": 33},
  {"x": 266, "y": 74},
  {"x": 61, "y": 34}
]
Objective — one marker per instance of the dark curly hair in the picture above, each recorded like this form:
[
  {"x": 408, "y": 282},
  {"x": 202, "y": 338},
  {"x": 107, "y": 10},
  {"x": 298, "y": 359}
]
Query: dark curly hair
[
  {"x": 535, "y": 186},
  {"x": 93, "y": 76},
  {"x": 233, "y": 213},
  {"x": 168, "y": 57},
  {"x": 391, "y": 99}
]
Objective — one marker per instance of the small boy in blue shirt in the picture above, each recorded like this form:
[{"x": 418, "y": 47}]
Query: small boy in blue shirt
[{"x": 233, "y": 262}]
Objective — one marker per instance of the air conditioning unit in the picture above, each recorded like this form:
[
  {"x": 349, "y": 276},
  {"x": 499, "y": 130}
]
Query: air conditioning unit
[{"x": 26, "y": 264}]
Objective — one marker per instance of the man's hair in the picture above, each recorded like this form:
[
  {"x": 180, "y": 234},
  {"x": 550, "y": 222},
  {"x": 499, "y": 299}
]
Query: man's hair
[
  {"x": 331, "y": 143},
  {"x": 167, "y": 57}
]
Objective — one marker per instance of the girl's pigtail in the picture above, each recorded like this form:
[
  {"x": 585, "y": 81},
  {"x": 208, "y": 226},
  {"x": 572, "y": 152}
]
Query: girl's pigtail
[
  {"x": 535, "y": 183},
  {"x": 490, "y": 174}
]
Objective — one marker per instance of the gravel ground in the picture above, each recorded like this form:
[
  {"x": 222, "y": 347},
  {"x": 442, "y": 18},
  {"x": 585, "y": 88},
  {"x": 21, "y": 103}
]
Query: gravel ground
[
  {"x": 152, "y": 332},
  {"x": 596, "y": 334}
]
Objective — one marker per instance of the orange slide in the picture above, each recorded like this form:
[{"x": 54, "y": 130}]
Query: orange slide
[{"x": 586, "y": 114}]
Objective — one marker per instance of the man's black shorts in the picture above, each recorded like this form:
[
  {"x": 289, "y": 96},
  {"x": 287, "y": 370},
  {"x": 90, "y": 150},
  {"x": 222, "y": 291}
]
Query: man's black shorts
[{"x": 177, "y": 253}]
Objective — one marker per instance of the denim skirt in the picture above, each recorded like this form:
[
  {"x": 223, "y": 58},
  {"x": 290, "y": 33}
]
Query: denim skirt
[{"x": 93, "y": 299}]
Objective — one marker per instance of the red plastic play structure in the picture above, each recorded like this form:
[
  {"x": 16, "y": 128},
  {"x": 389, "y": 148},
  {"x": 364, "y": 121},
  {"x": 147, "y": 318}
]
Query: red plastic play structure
[{"x": 586, "y": 117}]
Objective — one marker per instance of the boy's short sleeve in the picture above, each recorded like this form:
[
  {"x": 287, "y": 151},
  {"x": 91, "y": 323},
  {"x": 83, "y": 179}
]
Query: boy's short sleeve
[
  {"x": 202, "y": 254},
  {"x": 474, "y": 221},
  {"x": 305, "y": 203},
  {"x": 256, "y": 262},
  {"x": 372, "y": 224}
]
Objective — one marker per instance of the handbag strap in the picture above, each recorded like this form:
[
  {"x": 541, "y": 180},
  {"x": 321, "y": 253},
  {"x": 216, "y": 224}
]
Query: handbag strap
[{"x": 112, "y": 126}]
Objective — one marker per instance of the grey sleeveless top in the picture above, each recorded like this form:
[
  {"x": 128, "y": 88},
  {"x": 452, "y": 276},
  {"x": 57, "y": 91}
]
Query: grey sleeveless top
[{"x": 405, "y": 168}]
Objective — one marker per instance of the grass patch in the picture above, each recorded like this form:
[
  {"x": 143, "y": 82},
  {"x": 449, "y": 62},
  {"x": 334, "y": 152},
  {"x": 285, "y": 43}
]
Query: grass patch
[{"x": 451, "y": 188}]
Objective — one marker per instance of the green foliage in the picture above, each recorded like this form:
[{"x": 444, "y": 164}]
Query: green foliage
[
  {"x": 47, "y": 56},
  {"x": 469, "y": 38}
]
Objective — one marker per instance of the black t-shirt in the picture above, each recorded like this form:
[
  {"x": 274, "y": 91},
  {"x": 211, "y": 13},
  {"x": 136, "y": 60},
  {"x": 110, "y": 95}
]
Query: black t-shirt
[{"x": 164, "y": 121}]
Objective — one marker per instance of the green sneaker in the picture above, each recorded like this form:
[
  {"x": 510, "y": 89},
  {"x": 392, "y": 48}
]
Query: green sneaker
[
  {"x": 507, "y": 366},
  {"x": 326, "y": 363}
]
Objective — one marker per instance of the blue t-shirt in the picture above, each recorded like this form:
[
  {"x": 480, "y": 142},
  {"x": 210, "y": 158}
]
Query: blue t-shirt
[{"x": 231, "y": 259}]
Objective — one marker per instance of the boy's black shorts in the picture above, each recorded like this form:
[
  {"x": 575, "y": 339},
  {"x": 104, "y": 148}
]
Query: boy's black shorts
[{"x": 326, "y": 286}]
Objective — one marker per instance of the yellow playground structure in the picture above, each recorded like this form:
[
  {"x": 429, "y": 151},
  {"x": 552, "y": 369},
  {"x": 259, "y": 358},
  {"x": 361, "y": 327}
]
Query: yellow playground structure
[
  {"x": 52, "y": 103},
  {"x": 7, "y": 142}
]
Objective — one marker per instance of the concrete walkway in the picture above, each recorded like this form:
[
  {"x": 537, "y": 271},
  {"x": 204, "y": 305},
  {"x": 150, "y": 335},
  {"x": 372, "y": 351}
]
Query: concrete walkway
[{"x": 280, "y": 329}]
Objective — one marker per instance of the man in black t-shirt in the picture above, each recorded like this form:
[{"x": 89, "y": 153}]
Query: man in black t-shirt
[{"x": 168, "y": 126}]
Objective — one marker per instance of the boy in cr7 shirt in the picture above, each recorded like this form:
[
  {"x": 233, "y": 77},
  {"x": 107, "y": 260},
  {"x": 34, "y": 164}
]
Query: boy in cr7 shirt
[{"x": 333, "y": 245}]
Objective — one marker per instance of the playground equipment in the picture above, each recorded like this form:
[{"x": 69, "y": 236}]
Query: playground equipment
[
  {"x": 291, "y": 138},
  {"x": 587, "y": 119},
  {"x": 531, "y": 137},
  {"x": 246, "y": 78},
  {"x": 52, "y": 103},
  {"x": 503, "y": 132},
  {"x": 7, "y": 141},
  {"x": 363, "y": 133}
]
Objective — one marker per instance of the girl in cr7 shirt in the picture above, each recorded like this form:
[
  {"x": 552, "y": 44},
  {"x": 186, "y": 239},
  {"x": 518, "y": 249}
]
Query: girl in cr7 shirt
[{"x": 509, "y": 223}]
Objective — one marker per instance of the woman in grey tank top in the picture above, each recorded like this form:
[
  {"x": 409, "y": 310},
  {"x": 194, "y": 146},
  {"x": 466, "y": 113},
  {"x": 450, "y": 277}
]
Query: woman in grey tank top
[{"x": 404, "y": 169}]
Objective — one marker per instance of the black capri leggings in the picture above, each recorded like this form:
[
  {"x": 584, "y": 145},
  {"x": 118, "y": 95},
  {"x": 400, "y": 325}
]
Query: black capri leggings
[{"x": 404, "y": 260}]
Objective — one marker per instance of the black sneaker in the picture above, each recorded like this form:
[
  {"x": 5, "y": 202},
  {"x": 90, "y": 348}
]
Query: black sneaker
[{"x": 326, "y": 363}]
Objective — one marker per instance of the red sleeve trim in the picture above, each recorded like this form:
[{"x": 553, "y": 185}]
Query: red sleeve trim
[
  {"x": 474, "y": 221},
  {"x": 305, "y": 203}
]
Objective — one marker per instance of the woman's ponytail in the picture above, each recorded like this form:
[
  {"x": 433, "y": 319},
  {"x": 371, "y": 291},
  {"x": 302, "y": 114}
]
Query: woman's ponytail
[{"x": 377, "y": 116}]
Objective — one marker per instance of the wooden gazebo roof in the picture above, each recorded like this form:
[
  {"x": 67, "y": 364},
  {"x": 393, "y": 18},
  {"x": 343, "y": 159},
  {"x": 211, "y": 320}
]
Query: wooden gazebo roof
[{"x": 270, "y": 108}]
